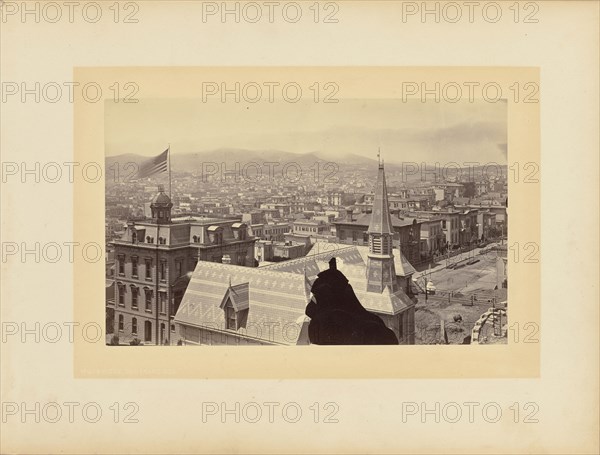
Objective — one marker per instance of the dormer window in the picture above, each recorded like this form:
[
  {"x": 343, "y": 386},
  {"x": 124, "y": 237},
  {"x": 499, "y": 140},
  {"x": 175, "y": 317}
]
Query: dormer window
[
  {"x": 235, "y": 306},
  {"x": 230, "y": 319}
]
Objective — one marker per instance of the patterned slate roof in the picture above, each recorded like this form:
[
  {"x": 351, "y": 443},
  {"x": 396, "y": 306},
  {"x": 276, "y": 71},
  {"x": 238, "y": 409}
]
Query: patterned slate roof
[
  {"x": 351, "y": 261},
  {"x": 276, "y": 296},
  {"x": 276, "y": 300}
]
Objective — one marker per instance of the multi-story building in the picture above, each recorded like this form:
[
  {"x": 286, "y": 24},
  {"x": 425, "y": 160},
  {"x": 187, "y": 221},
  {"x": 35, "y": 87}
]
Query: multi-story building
[
  {"x": 433, "y": 239},
  {"x": 409, "y": 203},
  {"x": 468, "y": 227},
  {"x": 407, "y": 234},
  {"x": 450, "y": 224},
  {"x": 311, "y": 228},
  {"x": 153, "y": 261},
  {"x": 276, "y": 231},
  {"x": 486, "y": 224},
  {"x": 288, "y": 250}
]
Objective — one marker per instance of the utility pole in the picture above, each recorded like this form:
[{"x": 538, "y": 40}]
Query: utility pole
[{"x": 496, "y": 312}]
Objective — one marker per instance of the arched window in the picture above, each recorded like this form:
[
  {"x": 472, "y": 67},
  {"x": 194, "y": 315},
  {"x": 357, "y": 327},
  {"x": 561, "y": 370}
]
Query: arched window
[
  {"x": 134, "y": 326},
  {"x": 195, "y": 238},
  {"x": 133, "y": 237},
  {"x": 148, "y": 239}
]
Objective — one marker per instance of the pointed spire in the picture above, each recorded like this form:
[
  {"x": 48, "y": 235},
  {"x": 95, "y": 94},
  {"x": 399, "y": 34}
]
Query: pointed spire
[
  {"x": 381, "y": 221},
  {"x": 381, "y": 273}
]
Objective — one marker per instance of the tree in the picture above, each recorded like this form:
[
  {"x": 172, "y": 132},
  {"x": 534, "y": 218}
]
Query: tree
[{"x": 470, "y": 190}]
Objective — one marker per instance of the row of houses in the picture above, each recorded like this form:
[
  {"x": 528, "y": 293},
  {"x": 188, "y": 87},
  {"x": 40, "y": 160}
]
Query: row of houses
[{"x": 420, "y": 233}]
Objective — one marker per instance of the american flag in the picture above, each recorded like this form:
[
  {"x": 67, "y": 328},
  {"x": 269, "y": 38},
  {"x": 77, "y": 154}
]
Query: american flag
[{"x": 155, "y": 165}]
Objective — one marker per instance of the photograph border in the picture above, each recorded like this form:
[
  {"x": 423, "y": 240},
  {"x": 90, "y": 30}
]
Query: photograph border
[{"x": 514, "y": 360}]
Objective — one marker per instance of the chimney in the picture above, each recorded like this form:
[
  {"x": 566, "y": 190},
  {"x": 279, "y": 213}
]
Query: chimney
[{"x": 349, "y": 214}]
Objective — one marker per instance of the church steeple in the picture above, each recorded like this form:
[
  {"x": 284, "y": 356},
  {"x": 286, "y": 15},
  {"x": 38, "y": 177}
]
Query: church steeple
[
  {"x": 381, "y": 221},
  {"x": 381, "y": 272}
]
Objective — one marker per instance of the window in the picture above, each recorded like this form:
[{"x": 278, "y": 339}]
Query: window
[
  {"x": 178, "y": 267},
  {"x": 121, "y": 295},
  {"x": 147, "y": 331},
  {"x": 163, "y": 270},
  {"x": 134, "y": 326},
  {"x": 148, "y": 263},
  {"x": 133, "y": 237},
  {"x": 148, "y": 239},
  {"x": 134, "y": 266},
  {"x": 195, "y": 238},
  {"x": 134, "y": 297},
  {"x": 121, "y": 323},
  {"x": 230, "y": 321},
  {"x": 148, "y": 300},
  {"x": 163, "y": 303},
  {"x": 121, "y": 264}
]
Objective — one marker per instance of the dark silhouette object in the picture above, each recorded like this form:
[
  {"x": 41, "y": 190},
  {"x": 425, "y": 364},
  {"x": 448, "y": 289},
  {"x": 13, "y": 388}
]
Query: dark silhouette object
[{"x": 337, "y": 316}]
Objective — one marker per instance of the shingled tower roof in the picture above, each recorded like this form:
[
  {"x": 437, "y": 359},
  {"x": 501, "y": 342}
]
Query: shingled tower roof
[{"x": 381, "y": 221}]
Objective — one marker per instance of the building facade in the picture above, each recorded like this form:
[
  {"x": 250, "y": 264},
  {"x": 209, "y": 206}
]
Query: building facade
[
  {"x": 153, "y": 264},
  {"x": 407, "y": 234}
]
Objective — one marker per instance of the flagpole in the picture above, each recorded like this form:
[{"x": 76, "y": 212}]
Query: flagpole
[{"x": 169, "y": 155}]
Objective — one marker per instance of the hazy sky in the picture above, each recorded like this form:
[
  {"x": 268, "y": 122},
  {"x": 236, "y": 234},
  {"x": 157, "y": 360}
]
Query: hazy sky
[{"x": 411, "y": 131}]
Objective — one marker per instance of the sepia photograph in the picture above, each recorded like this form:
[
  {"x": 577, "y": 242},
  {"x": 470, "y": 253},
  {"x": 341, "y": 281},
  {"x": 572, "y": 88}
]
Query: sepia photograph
[
  {"x": 187, "y": 183},
  {"x": 348, "y": 222}
]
